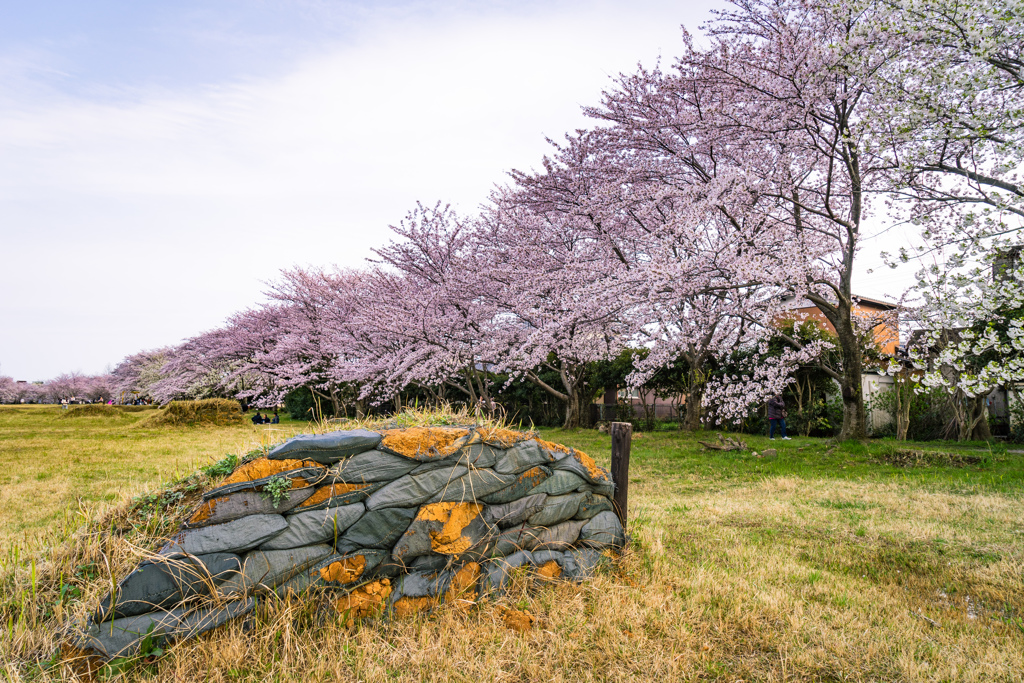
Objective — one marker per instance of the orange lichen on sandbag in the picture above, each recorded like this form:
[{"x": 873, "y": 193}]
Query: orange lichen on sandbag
[
  {"x": 552, "y": 446},
  {"x": 533, "y": 476},
  {"x": 455, "y": 517},
  {"x": 327, "y": 492},
  {"x": 595, "y": 470},
  {"x": 345, "y": 570},
  {"x": 549, "y": 570},
  {"x": 364, "y": 601},
  {"x": 431, "y": 443},
  {"x": 463, "y": 584},
  {"x": 206, "y": 510},
  {"x": 263, "y": 467},
  {"x": 499, "y": 437},
  {"x": 406, "y": 607}
]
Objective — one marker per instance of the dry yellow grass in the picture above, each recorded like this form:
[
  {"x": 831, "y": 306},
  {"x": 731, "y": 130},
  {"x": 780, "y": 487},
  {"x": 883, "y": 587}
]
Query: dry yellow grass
[{"x": 743, "y": 578}]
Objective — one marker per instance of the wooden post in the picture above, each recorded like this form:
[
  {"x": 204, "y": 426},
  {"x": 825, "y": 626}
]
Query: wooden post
[{"x": 622, "y": 439}]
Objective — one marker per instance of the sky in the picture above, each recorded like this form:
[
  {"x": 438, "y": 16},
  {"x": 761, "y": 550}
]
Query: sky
[{"x": 161, "y": 162}]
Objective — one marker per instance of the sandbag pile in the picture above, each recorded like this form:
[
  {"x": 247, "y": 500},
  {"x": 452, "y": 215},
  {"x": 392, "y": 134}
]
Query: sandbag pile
[{"x": 395, "y": 521}]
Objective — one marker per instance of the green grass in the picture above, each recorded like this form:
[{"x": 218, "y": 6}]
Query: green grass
[
  {"x": 676, "y": 456},
  {"x": 50, "y": 463}
]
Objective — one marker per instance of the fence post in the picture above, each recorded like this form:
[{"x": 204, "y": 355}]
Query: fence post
[{"x": 622, "y": 438}]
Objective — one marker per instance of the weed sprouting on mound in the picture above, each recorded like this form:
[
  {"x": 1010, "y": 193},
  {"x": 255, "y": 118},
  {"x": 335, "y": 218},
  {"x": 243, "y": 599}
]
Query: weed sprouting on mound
[{"x": 208, "y": 411}]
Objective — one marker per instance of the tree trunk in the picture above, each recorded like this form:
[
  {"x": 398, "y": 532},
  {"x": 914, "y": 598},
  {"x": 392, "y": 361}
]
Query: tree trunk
[
  {"x": 904, "y": 388},
  {"x": 980, "y": 430},
  {"x": 694, "y": 403},
  {"x": 850, "y": 382},
  {"x": 335, "y": 402},
  {"x": 577, "y": 409}
]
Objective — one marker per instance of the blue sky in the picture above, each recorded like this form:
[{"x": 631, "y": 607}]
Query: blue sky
[{"x": 160, "y": 161}]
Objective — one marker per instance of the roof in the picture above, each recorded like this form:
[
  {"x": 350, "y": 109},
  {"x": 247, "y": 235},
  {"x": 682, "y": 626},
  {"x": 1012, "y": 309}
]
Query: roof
[{"x": 805, "y": 303}]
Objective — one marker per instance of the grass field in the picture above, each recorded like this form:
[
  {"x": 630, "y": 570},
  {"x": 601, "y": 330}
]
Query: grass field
[{"x": 871, "y": 562}]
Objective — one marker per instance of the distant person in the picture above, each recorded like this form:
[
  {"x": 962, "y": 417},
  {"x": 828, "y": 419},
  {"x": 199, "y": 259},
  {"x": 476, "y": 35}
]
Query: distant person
[
  {"x": 257, "y": 419},
  {"x": 777, "y": 416},
  {"x": 276, "y": 420}
]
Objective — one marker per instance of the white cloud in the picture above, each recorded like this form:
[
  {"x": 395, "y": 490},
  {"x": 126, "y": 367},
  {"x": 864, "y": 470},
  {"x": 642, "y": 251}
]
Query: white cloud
[{"x": 137, "y": 217}]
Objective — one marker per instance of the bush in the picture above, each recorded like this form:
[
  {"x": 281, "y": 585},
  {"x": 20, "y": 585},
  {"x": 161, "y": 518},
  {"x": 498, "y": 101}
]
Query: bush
[
  {"x": 208, "y": 411},
  {"x": 299, "y": 404},
  {"x": 928, "y": 414}
]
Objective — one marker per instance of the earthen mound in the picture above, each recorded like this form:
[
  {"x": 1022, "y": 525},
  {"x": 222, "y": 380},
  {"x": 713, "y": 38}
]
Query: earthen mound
[{"x": 394, "y": 521}]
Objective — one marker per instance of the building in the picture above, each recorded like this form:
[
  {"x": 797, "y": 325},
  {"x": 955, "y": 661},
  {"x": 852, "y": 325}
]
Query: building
[{"x": 886, "y": 337}]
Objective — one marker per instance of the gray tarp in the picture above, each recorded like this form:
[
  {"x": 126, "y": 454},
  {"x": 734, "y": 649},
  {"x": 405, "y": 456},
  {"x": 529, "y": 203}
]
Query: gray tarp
[
  {"x": 525, "y": 483},
  {"x": 270, "y": 568},
  {"x": 377, "y": 529},
  {"x": 515, "y": 512},
  {"x": 245, "y": 503},
  {"x": 165, "y": 582},
  {"x": 560, "y": 536},
  {"x": 557, "y": 509},
  {"x": 473, "y": 486},
  {"x": 373, "y": 466},
  {"x": 593, "y": 504},
  {"x": 602, "y": 531},
  {"x": 414, "y": 489},
  {"x": 561, "y": 483},
  {"x": 122, "y": 637},
  {"x": 316, "y": 526},
  {"x": 313, "y": 475},
  {"x": 326, "y": 448},
  {"x": 521, "y": 457},
  {"x": 573, "y": 464},
  {"x": 231, "y": 537}
]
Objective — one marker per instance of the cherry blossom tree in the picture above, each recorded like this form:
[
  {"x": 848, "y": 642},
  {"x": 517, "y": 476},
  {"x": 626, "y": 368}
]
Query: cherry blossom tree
[
  {"x": 8, "y": 390},
  {"x": 428, "y": 301},
  {"x": 135, "y": 375}
]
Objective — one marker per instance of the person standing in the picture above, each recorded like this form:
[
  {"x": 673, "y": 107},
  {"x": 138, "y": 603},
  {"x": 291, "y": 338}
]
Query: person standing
[{"x": 777, "y": 416}]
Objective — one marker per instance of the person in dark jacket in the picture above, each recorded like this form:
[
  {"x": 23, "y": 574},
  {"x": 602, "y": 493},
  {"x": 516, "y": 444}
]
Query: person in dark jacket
[{"x": 777, "y": 416}]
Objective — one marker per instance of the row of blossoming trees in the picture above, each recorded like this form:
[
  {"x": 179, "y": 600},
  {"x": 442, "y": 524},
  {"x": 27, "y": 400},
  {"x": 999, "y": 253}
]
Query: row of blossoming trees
[{"x": 702, "y": 195}]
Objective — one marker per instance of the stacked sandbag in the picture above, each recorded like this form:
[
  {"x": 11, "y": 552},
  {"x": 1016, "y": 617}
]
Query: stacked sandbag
[{"x": 396, "y": 521}]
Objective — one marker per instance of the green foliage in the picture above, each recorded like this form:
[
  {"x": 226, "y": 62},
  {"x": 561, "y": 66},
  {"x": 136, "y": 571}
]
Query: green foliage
[
  {"x": 277, "y": 488},
  {"x": 299, "y": 404},
  {"x": 222, "y": 467},
  {"x": 928, "y": 413},
  {"x": 150, "y": 649},
  {"x": 1016, "y": 434}
]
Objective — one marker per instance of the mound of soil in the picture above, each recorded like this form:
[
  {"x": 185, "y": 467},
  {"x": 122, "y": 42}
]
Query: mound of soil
[{"x": 209, "y": 411}]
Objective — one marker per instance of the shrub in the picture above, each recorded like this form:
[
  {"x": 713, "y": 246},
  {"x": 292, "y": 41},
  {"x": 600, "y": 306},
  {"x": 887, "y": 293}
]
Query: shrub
[
  {"x": 299, "y": 404},
  {"x": 208, "y": 411}
]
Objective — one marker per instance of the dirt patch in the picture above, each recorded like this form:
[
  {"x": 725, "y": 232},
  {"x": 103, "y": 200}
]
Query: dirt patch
[
  {"x": 364, "y": 601},
  {"x": 905, "y": 457},
  {"x": 516, "y": 620}
]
